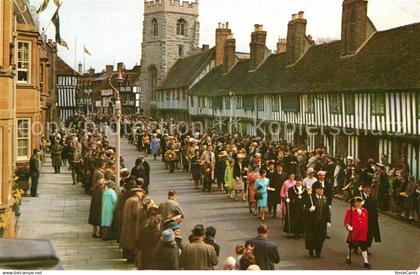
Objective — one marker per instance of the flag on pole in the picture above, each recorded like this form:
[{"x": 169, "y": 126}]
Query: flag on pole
[
  {"x": 43, "y": 6},
  {"x": 87, "y": 51},
  {"x": 56, "y": 21}
]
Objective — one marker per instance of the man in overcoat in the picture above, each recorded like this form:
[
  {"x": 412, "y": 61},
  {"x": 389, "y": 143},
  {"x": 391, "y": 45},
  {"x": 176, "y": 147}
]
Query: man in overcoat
[
  {"x": 318, "y": 218},
  {"x": 129, "y": 223}
]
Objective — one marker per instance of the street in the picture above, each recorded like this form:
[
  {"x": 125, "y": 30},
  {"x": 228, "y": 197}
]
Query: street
[{"x": 61, "y": 212}]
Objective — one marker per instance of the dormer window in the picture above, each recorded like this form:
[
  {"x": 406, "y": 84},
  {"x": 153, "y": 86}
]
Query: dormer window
[{"x": 181, "y": 27}]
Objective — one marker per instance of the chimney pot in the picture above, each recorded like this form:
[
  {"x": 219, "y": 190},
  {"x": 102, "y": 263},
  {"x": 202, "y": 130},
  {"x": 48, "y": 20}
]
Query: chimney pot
[
  {"x": 227, "y": 25},
  {"x": 301, "y": 15},
  {"x": 294, "y": 16},
  {"x": 220, "y": 25}
]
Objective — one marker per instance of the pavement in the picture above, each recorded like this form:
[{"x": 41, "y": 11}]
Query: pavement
[{"x": 60, "y": 214}]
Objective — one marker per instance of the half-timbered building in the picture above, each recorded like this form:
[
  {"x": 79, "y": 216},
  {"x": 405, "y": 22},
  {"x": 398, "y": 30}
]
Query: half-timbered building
[
  {"x": 357, "y": 96},
  {"x": 66, "y": 89}
]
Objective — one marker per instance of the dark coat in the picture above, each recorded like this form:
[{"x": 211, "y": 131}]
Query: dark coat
[
  {"x": 316, "y": 222},
  {"x": 276, "y": 182},
  {"x": 166, "y": 256},
  {"x": 373, "y": 223},
  {"x": 148, "y": 241},
  {"x": 328, "y": 190},
  {"x": 210, "y": 240},
  {"x": 297, "y": 211},
  {"x": 34, "y": 167},
  {"x": 266, "y": 252},
  {"x": 95, "y": 211}
]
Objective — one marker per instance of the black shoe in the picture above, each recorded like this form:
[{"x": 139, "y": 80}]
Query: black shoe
[
  {"x": 367, "y": 266},
  {"x": 348, "y": 261}
]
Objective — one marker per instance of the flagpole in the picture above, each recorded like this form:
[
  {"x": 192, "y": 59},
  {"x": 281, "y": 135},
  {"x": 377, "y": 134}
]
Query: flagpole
[
  {"x": 75, "y": 52},
  {"x": 84, "y": 58}
]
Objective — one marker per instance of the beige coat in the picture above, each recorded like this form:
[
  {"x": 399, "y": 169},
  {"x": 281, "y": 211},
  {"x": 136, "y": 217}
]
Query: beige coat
[
  {"x": 198, "y": 256},
  {"x": 129, "y": 223}
]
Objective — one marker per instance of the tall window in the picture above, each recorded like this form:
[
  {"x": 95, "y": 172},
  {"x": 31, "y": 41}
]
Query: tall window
[
  {"x": 290, "y": 103},
  {"x": 227, "y": 103},
  {"x": 378, "y": 104},
  {"x": 191, "y": 101},
  {"x": 155, "y": 27},
  {"x": 349, "y": 104},
  {"x": 418, "y": 105},
  {"x": 217, "y": 102},
  {"x": 181, "y": 27},
  {"x": 23, "y": 139},
  {"x": 310, "y": 104},
  {"x": 275, "y": 104},
  {"x": 153, "y": 80},
  {"x": 260, "y": 104},
  {"x": 248, "y": 103},
  {"x": 335, "y": 104},
  {"x": 24, "y": 62},
  {"x": 238, "y": 102}
]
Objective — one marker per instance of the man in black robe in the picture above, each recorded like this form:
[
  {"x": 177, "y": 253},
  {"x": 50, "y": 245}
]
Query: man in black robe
[
  {"x": 318, "y": 217},
  {"x": 296, "y": 200},
  {"x": 371, "y": 206}
]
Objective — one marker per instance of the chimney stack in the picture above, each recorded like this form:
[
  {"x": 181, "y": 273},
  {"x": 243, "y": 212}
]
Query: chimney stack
[
  {"x": 109, "y": 69},
  {"x": 91, "y": 71},
  {"x": 205, "y": 48},
  {"x": 222, "y": 33},
  {"x": 296, "y": 37},
  {"x": 258, "y": 46},
  {"x": 120, "y": 66},
  {"x": 281, "y": 45},
  {"x": 354, "y": 25},
  {"x": 230, "y": 53},
  {"x": 80, "y": 68}
]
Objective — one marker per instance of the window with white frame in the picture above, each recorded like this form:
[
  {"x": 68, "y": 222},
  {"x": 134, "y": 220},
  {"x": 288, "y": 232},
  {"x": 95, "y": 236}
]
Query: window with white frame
[
  {"x": 23, "y": 139},
  {"x": 23, "y": 62}
]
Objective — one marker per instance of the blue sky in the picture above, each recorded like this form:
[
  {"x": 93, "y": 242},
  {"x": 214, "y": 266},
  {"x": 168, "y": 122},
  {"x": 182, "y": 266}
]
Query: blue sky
[{"x": 112, "y": 29}]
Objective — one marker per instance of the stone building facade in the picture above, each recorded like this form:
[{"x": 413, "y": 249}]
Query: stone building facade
[
  {"x": 23, "y": 100},
  {"x": 170, "y": 31}
]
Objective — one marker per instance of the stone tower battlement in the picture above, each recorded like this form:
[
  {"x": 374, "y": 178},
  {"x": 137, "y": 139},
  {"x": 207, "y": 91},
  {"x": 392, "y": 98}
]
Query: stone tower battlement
[{"x": 176, "y": 6}]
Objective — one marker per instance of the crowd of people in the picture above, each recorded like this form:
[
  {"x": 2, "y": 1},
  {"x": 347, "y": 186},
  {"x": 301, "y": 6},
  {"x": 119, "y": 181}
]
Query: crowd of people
[{"x": 276, "y": 179}]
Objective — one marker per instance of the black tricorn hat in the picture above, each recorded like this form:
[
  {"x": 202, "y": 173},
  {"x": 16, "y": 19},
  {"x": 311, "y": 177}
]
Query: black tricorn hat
[{"x": 317, "y": 185}]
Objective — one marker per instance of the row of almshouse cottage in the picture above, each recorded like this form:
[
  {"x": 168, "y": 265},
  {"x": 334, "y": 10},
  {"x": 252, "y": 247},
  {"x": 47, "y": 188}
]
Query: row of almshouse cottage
[{"x": 360, "y": 95}]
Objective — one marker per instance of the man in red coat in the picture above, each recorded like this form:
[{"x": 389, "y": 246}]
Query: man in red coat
[{"x": 356, "y": 223}]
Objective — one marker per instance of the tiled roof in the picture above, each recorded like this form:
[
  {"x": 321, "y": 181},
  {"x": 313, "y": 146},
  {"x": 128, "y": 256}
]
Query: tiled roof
[
  {"x": 62, "y": 68},
  {"x": 389, "y": 61},
  {"x": 182, "y": 74}
]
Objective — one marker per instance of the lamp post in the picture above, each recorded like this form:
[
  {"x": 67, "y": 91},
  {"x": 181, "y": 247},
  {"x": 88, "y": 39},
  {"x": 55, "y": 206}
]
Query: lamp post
[{"x": 119, "y": 79}]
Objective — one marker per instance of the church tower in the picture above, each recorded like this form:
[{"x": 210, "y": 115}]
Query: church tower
[{"x": 170, "y": 31}]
